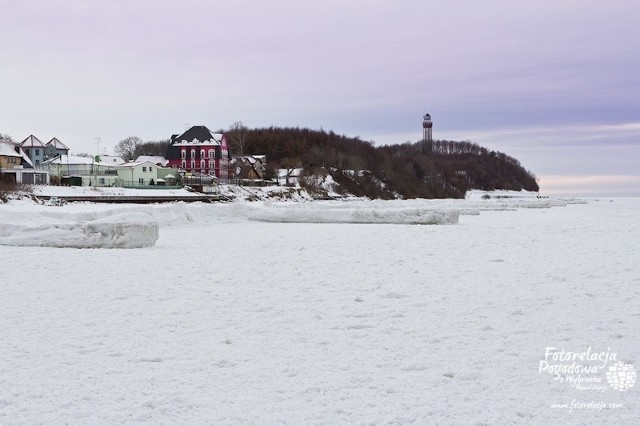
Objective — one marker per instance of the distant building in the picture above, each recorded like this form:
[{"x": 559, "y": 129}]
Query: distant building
[
  {"x": 158, "y": 160},
  {"x": 16, "y": 167},
  {"x": 54, "y": 148},
  {"x": 250, "y": 167},
  {"x": 34, "y": 148},
  {"x": 10, "y": 156},
  {"x": 137, "y": 174},
  {"x": 198, "y": 150},
  {"x": 80, "y": 171}
]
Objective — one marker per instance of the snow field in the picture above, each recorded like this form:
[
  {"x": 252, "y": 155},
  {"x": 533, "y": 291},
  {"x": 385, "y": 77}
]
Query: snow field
[{"x": 232, "y": 321}]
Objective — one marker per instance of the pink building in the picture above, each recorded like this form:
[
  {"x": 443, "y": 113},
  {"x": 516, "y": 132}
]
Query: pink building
[{"x": 200, "y": 151}]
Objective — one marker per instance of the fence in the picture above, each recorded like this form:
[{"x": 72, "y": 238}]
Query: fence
[
  {"x": 247, "y": 182},
  {"x": 138, "y": 185}
]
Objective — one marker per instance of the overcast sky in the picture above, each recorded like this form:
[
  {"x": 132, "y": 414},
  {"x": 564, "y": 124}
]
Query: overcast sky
[{"x": 554, "y": 83}]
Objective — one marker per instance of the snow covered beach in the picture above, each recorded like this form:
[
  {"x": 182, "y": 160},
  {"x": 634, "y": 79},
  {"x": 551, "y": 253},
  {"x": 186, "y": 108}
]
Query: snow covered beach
[{"x": 236, "y": 317}]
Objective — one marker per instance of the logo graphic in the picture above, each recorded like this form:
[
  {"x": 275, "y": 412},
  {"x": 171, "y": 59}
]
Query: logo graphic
[
  {"x": 621, "y": 376},
  {"x": 587, "y": 370}
]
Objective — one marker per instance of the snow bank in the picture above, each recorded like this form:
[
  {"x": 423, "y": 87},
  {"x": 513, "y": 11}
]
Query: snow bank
[
  {"x": 185, "y": 214},
  {"x": 91, "y": 191},
  {"x": 127, "y": 230},
  {"x": 264, "y": 193},
  {"x": 40, "y": 222},
  {"x": 477, "y": 194},
  {"x": 418, "y": 216}
]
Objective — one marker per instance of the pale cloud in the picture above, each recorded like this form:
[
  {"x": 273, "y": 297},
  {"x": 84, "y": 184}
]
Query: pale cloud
[{"x": 558, "y": 134}]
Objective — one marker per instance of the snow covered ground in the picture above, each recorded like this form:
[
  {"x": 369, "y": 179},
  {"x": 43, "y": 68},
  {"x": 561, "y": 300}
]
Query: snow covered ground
[
  {"x": 91, "y": 191},
  {"x": 234, "y": 317}
]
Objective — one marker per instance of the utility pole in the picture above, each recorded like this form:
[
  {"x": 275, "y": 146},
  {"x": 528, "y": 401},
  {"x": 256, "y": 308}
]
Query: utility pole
[{"x": 96, "y": 158}]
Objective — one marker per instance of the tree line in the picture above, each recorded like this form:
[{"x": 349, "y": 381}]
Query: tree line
[
  {"x": 132, "y": 147},
  {"x": 438, "y": 169}
]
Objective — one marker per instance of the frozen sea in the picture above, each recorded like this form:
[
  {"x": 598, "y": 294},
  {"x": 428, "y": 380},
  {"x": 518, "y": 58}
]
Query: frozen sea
[{"x": 499, "y": 311}]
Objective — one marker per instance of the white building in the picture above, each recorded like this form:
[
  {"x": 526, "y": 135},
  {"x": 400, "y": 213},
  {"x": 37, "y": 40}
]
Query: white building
[
  {"x": 84, "y": 171},
  {"x": 137, "y": 174}
]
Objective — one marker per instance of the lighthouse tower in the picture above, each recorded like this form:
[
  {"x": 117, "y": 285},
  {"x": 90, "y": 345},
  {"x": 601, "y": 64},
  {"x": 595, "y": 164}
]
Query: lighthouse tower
[{"x": 426, "y": 128}]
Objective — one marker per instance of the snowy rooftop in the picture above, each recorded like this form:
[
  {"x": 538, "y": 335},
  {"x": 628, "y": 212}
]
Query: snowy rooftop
[
  {"x": 155, "y": 159},
  {"x": 251, "y": 158},
  {"x": 136, "y": 164},
  {"x": 55, "y": 142},
  {"x": 8, "y": 149},
  {"x": 32, "y": 141},
  {"x": 114, "y": 160},
  {"x": 197, "y": 135}
]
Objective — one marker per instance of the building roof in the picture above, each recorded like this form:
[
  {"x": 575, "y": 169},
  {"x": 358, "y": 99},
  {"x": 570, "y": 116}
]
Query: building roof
[
  {"x": 197, "y": 135},
  {"x": 155, "y": 159},
  {"x": 74, "y": 159},
  {"x": 32, "y": 142},
  {"x": 250, "y": 158},
  {"x": 135, "y": 164},
  {"x": 26, "y": 161},
  {"x": 8, "y": 149},
  {"x": 113, "y": 160},
  {"x": 55, "y": 142}
]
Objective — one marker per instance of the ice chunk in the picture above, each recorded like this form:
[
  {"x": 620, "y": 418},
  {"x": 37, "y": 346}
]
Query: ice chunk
[
  {"x": 358, "y": 215},
  {"x": 125, "y": 230}
]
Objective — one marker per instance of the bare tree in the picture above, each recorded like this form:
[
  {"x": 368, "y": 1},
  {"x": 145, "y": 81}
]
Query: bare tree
[
  {"x": 126, "y": 148},
  {"x": 290, "y": 165},
  {"x": 238, "y": 134},
  {"x": 152, "y": 148},
  {"x": 5, "y": 138}
]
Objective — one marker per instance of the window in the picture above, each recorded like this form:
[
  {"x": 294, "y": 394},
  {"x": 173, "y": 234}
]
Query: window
[
  {"x": 202, "y": 153},
  {"x": 193, "y": 153},
  {"x": 184, "y": 164},
  {"x": 140, "y": 181},
  {"x": 183, "y": 154},
  {"x": 193, "y": 164},
  {"x": 28, "y": 152},
  {"x": 144, "y": 169},
  {"x": 37, "y": 152},
  {"x": 212, "y": 153},
  {"x": 211, "y": 165},
  {"x": 202, "y": 164},
  {"x": 150, "y": 168}
]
